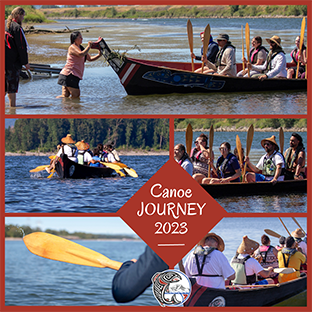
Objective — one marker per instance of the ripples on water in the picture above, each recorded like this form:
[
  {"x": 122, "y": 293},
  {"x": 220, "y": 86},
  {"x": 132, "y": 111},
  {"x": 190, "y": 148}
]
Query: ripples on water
[
  {"x": 33, "y": 192},
  {"x": 159, "y": 39}
]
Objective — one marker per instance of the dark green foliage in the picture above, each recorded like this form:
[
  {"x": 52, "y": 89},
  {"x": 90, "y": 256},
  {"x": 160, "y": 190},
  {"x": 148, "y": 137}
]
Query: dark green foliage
[{"x": 46, "y": 134}]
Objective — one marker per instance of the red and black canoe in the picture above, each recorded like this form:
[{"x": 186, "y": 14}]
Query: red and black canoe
[{"x": 143, "y": 77}]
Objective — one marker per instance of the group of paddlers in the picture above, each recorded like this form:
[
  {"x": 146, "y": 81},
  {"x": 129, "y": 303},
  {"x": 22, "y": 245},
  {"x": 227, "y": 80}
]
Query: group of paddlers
[
  {"x": 230, "y": 167},
  {"x": 253, "y": 264}
]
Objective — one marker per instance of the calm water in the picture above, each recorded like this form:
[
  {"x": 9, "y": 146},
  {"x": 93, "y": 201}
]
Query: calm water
[
  {"x": 159, "y": 39},
  {"x": 57, "y": 283},
  {"x": 33, "y": 192},
  {"x": 259, "y": 203}
]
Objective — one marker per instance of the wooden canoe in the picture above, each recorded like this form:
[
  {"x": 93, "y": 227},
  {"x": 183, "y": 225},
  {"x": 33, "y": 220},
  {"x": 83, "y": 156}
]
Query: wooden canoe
[
  {"x": 267, "y": 295},
  {"x": 67, "y": 169},
  {"x": 143, "y": 77},
  {"x": 256, "y": 188}
]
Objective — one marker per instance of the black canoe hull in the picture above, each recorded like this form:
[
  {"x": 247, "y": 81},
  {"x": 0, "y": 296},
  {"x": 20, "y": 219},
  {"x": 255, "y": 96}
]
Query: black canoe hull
[
  {"x": 252, "y": 297},
  {"x": 258, "y": 188},
  {"x": 143, "y": 77},
  {"x": 67, "y": 169}
]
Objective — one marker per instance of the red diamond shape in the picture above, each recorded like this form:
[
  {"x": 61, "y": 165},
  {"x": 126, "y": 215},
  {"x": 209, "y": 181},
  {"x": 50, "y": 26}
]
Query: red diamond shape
[{"x": 171, "y": 225}]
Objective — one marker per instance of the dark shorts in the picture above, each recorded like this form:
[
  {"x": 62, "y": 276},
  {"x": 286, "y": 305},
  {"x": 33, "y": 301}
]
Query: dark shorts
[
  {"x": 12, "y": 80},
  {"x": 69, "y": 81}
]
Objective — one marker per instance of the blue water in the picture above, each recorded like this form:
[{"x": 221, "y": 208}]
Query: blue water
[
  {"x": 257, "y": 203},
  {"x": 33, "y": 281},
  {"x": 34, "y": 192},
  {"x": 158, "y": 39}
]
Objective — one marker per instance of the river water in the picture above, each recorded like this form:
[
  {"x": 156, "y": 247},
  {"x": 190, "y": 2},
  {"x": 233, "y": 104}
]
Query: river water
[
  {"x": 158, "y": 39},
  {"x": 56, "y": 283},
  {"x": 33, "y": 192},
  {"x": 258, "y": 203}
]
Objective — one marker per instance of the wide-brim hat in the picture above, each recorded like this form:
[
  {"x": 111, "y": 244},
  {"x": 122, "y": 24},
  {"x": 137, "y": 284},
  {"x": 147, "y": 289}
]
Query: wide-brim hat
[
  {"x": 216, "y": 237},
  {"x": 297, "y": 233},
  {"x": 223, "y": 37},
  {"x": 82, "y": 145},
  {"x": 271, "y": 139},
  {"x": 68, "y": 139},
  {"x": 276, "y": 39},
  {"x": 247, "y": 246}
]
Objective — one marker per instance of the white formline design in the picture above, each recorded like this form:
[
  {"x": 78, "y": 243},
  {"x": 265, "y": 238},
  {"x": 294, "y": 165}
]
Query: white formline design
[
  {"x": 164, "y": 245},
  {"x": 127, "y": 73}
]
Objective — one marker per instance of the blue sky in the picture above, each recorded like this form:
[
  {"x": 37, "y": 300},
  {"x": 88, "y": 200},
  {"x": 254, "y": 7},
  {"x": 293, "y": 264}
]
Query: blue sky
[{"x": 95, "y": 225}]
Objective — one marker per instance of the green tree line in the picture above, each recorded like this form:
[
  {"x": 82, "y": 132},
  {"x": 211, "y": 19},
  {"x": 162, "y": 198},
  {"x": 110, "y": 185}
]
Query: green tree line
[
  {"x": 289, "y": 123},
  {"x": 46, "y": 134},
  {"x": 16, "y": 231},
  {"x": 32, "y": 15}
]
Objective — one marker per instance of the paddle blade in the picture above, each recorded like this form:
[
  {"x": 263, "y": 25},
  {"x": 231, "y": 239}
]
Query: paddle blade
[
  {"x": 247, "y": 36},
  {"x": 284, "y": 270},
  {"x": 51, "y": 174},
  {"x": 239, "y": 149},
  {"x": 206, "y": 42},
  {"x": 60, "y": 249},
  {"x": 190, "y": 34},
  {"x": 281, "y": 139},
  {"x": 211, "y": 135},
  {"x": 39, "y": 168},
  {"x": 243, "y": 49},
  {"x": 272, "y": 233},
  {"x": 250, "y": 135},
  {"x": 300, "y": 43},
  {"x": 131, "y": 172},
  {"x": 189, "y": 138}
]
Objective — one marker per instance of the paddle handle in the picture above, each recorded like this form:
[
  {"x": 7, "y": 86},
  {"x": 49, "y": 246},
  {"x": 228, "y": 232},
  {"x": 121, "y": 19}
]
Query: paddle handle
[
  {"x": 299, "y": 225},
  {"x": 284, "y": 226}
]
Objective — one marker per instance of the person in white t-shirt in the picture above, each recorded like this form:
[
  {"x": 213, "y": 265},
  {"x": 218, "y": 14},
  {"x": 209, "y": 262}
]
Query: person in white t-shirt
[
  {"x": 270, "y": 166},
  {"x": 84, "y": 156},
  {"x": 183, "y": 158},
  {"x": 298, "y": 235},
  {"x": 207, "y": 264}
]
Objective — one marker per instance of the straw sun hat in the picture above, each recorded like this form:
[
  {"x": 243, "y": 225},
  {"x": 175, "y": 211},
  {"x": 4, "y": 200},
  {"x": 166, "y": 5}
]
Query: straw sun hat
[
  {"x": 216, "y": 237},
  {"x": 82, "y": 145},
  {"x": 247, "y": 246},
  {"x": 271, "y": 139},
  {"x": 297, "y": 233},
  {"x": 68, "y": 139},
  {"x": 275, "y": 39}
]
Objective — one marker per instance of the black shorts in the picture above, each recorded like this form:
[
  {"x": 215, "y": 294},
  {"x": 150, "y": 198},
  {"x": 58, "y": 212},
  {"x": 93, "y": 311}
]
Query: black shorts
[
  {"x": 69, "y": 81},
  {"x": 12, "y": 80}
]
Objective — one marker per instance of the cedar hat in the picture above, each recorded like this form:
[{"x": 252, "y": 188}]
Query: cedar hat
[
  {"x": 275, "y": 39},
  {"x": 247, "y": 246},
  {"x": 68, "y": 139},
  {"x": 223, "y": 37},
  {"x": 216, "y": 237},
  {"x": 271, "y": 139},
  {"x": 82, "y": 145},
  {"x": 297, "y": 233}
]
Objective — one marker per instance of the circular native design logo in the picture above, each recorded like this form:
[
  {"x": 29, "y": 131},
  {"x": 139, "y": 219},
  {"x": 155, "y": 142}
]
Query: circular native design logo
[
  {"x": 71, "y": 170},
  {"x": 217, "y": 302},
  {"x": 171, "y": 288}
]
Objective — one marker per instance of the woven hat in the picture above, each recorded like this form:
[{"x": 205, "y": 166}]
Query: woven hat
[
  {"x": 216, "y": 237},
  {"x": 247, "y": 246},
  {"x": 297, "y": 233},
  {"x": 82, "y": 145},
  {"x": 271, "y": 139},
  {"x": 223, "y": 37},
  {"x": 68, "y": 139},
  {"x": 275, "y": 39}
]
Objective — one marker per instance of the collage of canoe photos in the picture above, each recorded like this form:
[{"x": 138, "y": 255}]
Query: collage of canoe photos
[{"x": 156, "y": 155}]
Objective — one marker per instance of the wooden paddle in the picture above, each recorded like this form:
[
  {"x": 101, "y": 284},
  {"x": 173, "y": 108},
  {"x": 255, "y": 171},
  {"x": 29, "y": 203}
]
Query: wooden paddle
[
  {"x": 284, "y": 226},
  {"x": 57, "y": 248},
  {"x": 243, "y": 49},
  {"x": 281, "y": 139},
  {"x": 39, "y": 168},
  {"x": 211, "y": 134},
  {"x": 250, "y": 134},
  {"x": 272, "y": 233},
  {"x": 299, "y": 226},
  {"x": 189, "y": 138},
  {"x": 51, "y": 173},
  {"x": 300, "y": 43},
  {"x": 247, "y": 35},
  {"x": 113, "y": 166},
  {"x": 239, "y": 151},
  {"x": 206, "y": 43},
  {"x": 190, "y": 39}
]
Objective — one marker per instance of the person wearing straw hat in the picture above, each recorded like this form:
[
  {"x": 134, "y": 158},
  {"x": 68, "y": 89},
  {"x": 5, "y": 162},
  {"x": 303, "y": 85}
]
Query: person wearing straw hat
[
  {"x": 68, "y": 148},
  {"x": 84, "y": 156},
  {"x": 298, "y": 235},
  {"x": 270, "y": 166},
  {"x": 225, "y": 64},
  {"x": 275, "y": 64},
  {"x": 246, "y": 267},
  {"x": 207, "y": 264}
]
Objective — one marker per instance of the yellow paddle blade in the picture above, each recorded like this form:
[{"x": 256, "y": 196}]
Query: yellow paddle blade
[
  {"x": 51, "y": 174},
  {"x": 131, "y": 172},
  {"x": 239, "y": 149},
  {"x": 211, "y": 135},
  {"x": 52, "y": 156},
  {"x": 39, "y": 168},
  {"x": 243, "y": 49},
  {"x": 300, "y": 43},
  {"x": 247, "y": 35},
  {"x": 281, "y": 139},
  {"x": 189, "y": 138},
  {"x": 57, "y": 248},
  {"x": 206, "y": 42},
  {"x": 250, "y": 134},
  {"x": 190, "y": 38},
  {"x": 272, "y": 233}
]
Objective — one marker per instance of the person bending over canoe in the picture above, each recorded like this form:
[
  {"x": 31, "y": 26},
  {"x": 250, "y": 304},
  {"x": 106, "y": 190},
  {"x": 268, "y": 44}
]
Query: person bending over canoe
[
  {"x": 270, "y": 166},
  {"x": 275, "y": 64},
  {"x": 258, "y": 54},
  {"x": 246, "y": 267},
  {"x": 295, "y": 159},
  {"x": 298, "y": 236},
  {"x": 227, "y": 167},
  {"x": 211, "y": 52},
  {"x": 225, "y": 63},
  {"x": 183, "y": 158},
  {"x": 296, "y": 57},
  {"x": 290, "y": 257},
  {"x": 200, "y": 158},
  {"x": 207, "y": 264},
  {"x": 95, "y": 161},
  {"x": 84, "y": 155},
  {"x": 72, "y": 73}
]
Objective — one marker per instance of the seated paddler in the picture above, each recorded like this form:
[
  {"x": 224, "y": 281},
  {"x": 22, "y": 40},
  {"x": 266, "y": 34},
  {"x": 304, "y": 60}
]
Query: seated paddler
[
  {"x": 84, "y": 156},
  {"x": 183, "y": 159}
]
